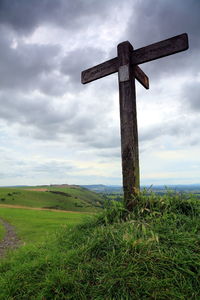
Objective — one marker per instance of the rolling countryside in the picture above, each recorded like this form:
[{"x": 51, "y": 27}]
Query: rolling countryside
[{"x": 72, "y": 198}]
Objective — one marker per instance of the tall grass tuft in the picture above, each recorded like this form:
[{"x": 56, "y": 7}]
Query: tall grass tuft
[{"x": 150, "y": 253}]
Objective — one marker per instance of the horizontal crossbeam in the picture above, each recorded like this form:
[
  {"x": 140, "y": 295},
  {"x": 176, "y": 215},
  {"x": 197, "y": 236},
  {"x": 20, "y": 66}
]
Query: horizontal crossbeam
[
  {"x": 99, "y": 71},
  {"x": 110, "y": 67},
  {"x": 157, "y": 50},
  {"x": 161, "y": 49}
]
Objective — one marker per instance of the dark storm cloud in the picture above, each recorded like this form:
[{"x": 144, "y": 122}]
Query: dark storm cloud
[
  {"x": 24, "y": 16},
  {"x": 79, "y": 60},
  {"x": 30, "y": 67},
  {"x": 154, "y": 20},
  {"x": 42, "y": 67},
  {"x": 26, "y": 66}
]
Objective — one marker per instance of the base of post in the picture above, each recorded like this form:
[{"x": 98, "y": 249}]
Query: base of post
[{"x": 131, "y": 199}]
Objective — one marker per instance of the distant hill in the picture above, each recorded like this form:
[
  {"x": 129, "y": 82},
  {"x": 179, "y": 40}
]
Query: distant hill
[
  {"x": 115, "y": 189},
  {"x": 186, "y": 188},
  {"x": 64, "y": 197},
  {"x": 107, "y": 189}
]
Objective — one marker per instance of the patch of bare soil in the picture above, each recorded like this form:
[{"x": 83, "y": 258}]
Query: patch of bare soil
[{"x": 10, "y": 241}]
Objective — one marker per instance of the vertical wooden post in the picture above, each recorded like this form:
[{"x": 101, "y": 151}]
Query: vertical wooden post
[
  {"x": 128, "y": 119},
  {"x": 127, "y": 66}
]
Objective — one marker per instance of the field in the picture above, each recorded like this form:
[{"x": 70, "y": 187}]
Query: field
[
  {"x": 151, "y": 253},
  {"x": 54, "y": 197},
  {"x": 34, "y": 226}
]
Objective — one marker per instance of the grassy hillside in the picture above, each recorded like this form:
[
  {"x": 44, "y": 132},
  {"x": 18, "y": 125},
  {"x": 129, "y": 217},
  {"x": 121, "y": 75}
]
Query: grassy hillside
[
  {"x": 64, "y": 198},
  {"x": 76, "y": 192},
  {"x": 34, "y": 226},
  {"x": 153, "y": 253}
]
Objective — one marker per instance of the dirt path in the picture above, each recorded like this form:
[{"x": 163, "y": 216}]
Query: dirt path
[{"x": 10, "y": 240}]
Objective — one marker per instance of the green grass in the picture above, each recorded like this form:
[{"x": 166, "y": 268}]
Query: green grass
[
  {"x": 87, "y": 196},
  {"x": 152, "y": 253},
  {"x": 34, "y": 226},
  {"x": 73, "y": 199},
  {"x": 2, "y": 231}
]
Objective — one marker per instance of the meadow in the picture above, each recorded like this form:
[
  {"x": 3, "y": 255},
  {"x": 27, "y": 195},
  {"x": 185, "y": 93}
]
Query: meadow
[
  {"x": 35, "y": 225},
  {"x": 150, "y": 253}
]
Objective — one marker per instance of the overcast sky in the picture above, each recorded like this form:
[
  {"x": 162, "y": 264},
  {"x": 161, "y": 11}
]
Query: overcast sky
[{"x": 53, "y": 129}]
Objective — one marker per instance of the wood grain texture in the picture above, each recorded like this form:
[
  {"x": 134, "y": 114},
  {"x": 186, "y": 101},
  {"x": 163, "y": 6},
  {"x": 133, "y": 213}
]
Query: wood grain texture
[
  {"x": 109, "y": 67},
  {"x": 141, "y": 77},
  {"x": 99, "y": 71},
  {"x": 161, "y": 49},
  {"x": 129, "y": 132},
  {"x": 154, "y": 51}
]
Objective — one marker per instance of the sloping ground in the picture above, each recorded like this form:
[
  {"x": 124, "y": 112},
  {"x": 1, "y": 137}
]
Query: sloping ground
[
  {"x": 77, "y": 192},
  {"x": 153, "y": 253},
  {"x": 75, "y": 199},
  {"x": 33, "y": 225}
]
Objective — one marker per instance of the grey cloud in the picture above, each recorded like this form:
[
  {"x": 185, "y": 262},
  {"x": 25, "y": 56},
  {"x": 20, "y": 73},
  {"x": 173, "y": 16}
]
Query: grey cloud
[
  {"x": 54, "y": 84},
  {"x": 31, "y": 67},
  {"x": 37, "y": 112},
  {"x": 15, "y": 168},
  {"x": 52, "y": 167},
  {"x": 40, "y": 118},
  {"x": 155, "y": 20},
  {"x": 112, "y": 153},
  {"x": 182, "y": 128},
  {"x": 161, "y": 19},
  {"x": 24, "y": 16},
  {"x": 191, "y": 96},
  {"x": 102, "y": 142},
  {"x": 103, "y": 138},
  {"x": 80, "y": 59},
  {"x": 172, "y": 128},
  {"x": 27, "y": 67},
  {"x": 42, "y": 67}
]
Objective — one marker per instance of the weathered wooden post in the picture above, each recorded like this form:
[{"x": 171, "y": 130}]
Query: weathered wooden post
[
  {"x": 126, "y": 64},
  {"x": 128, "y": 119}
]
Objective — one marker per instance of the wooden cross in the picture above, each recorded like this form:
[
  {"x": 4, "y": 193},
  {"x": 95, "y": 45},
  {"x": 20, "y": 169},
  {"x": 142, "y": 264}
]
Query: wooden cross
[{"x": 126, "y": 63}]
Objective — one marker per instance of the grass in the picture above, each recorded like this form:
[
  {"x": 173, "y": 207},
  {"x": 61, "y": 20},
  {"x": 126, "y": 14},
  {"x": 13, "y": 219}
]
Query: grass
[
  {"x": 87, "y": 196},
  {"x": 73, "y": 199},
  {"x": 2, "y": 231},
  {"x": 151, "y": 253},
  {"x": 34, "y": 226}
]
